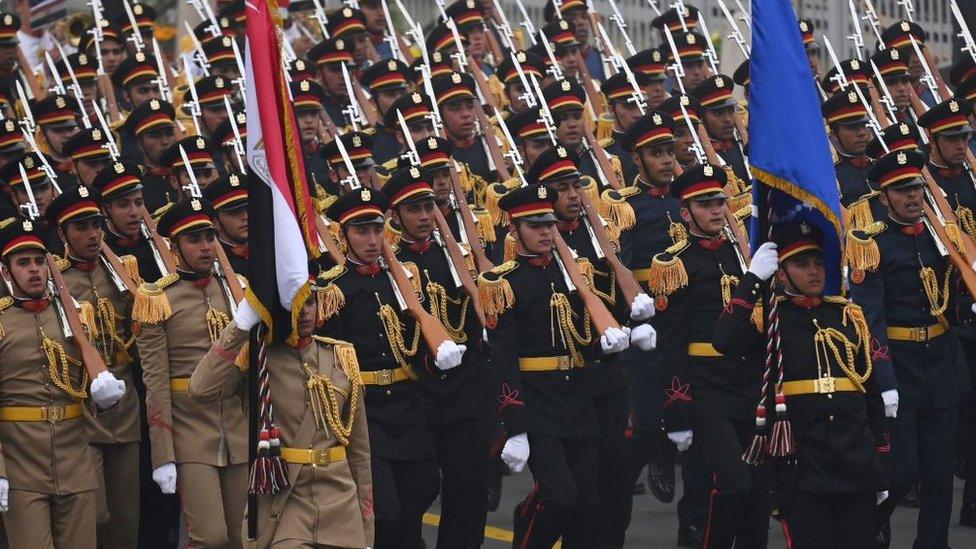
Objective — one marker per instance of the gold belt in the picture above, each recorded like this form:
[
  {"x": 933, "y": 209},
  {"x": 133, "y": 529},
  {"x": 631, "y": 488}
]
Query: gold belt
[
  {"x": 818, "y": 386},
  {"x": 50, "y": 414},
  {"x": 642, "y": 275},
  {"x": 386, "y": 377},
  {"x": 306, "y": 456},
  {"x": 699, "y": 348},
  {"x": 545, "y": 363},
  {"x": 915, "y": 333},
  {"x": 179, "y": 384}
]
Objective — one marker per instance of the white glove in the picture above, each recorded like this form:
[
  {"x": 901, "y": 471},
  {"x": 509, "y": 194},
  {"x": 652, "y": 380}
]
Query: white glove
[
  {"x": 681, "y": 439},
  {"x": 765, "y": 261},
  {"x": 973, "y": 307},
  {"x": 890, "y": 398},
  {"x": 614, "y": 340},
  {"x": 644, "y": 336},
  {"x": 515, "y": 453},
  {"x": 882, "y": 495},
  {"x": 449, "y": 355},
  {"x": 4, "y": 494},
  {"x": 246, "y": 317},
  {"x": 642, "y": 308},
  {"x": 106, "y": 390},
  {"x": 165, "y": 477}
]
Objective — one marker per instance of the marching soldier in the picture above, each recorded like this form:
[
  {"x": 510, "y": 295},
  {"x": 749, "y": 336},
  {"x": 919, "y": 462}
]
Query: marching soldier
[
  {"x": 513, "y": 86},
  {"x": 154, "y": 128},
  {"x": 89, "y": 154},
  {"x": 387, "y": 82},
  {"x": 718, "y": 115},
  {"x": 576, "y": 14},
  {"x": 709, "y": 396},
  {"x": 530, "y": 135},
  {"x": 112, "y": 47},
  {"x": 847, "y": 119},
  {"x": 228, "y": 195},
  {"x": 417, "y": 112},
  {"x": 328, "y": 56},
  {"x": 894, "y": 71},
  {"x": 47, "y": 480},
  {"x": 57, "y": 119},
  {"x": 358, "y": 150},
  {"x": 623, "y": 110},
  {"x": 684, "y": 139},
  {"x": 364, "y": 311},
  {"x": 220, "y": 55},
  {"x": 9, "y": 66},
  {"x": 319, "y": 421},
  {"x": 811, "y": 46},
  {"x": 691, "y": 55},
  {"x": 211, "y": 91},
  {"x": 42, "y": 193},
  {"x": 608, "y": 385},
  {"x": 136, "y": 77},
  {"x": 826, "y": 494},
  {"x": 457, "y": 399},
  {"x": 908, "y": 290},
  {"x": 348, "y": 24},
  {"x": 540, "y": 351},
  {"x": 197, "y": 149},
  {"x": 650, "y": 62},
  {"x": 85, "y": 72},
  {"x": 456, "y": 101},
  {"x": 308, "y": 97},
  {"x": 145, "y": 16},
  {"x": 199, "y": 448},
  {"x": 948, "y": 126},
  {"x": 899, "y": 36},
  {"x": 379, "y": 34},
  {"x": 225, "y": 141},
  {"x": 113, "y": 433}
]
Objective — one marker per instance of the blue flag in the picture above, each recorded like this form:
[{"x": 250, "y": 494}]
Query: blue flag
[{"x": 788, "y": 148}]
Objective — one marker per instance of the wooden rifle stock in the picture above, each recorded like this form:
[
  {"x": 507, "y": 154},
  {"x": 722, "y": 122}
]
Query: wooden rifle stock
[
  {"x": 965, "y": 269},
  {"x": 713, "y": 158},
  {"x": 366, "y": 105},
  {"x": 460, "y": 266},
  {"x": 90, "y": 357},
  {"x": 940, "y": 84},
  {"x": 432, "y": 330},
  {"x": 599, "y": 314},
  {"x": 596, "y": 100},
  {"x": 107, "y": 90},
  {"x": 968, "y": 248},
  {"x": 602, "y": 159},
  {"x": 481, "y": 81},
  {"x": 481, "y": 260},
  {"x": 625, "y": 278}
]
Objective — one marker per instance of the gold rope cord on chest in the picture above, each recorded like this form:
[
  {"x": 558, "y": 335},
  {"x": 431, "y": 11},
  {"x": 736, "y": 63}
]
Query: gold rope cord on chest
[
  {"x": 561, "y": 320},
  {"x": 59, "y": 365},
  {"x": 112, "y": 344},
  {"x": 828, "y": 339},
  {"x": 324, "y": 397},
  {"x": 438, "y": 307},
  {"x": 728, "y": 283},
  {"x": 937, "y": 303},
  {"x": 216, "y": 321},
  {"x": 394, "y": 333}
]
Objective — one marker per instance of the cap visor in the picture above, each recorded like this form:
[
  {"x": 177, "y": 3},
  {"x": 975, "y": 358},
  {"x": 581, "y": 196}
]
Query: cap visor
[
  {"x": 917, "y": 182},
  {"x": 710, "y": 196},
  {"x": 367, "y": 220},
  {"x": 542, "y": 218}
]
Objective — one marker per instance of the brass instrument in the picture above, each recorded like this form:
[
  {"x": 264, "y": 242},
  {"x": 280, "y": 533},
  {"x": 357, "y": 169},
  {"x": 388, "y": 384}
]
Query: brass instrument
[{"x": 72, "y": 28}]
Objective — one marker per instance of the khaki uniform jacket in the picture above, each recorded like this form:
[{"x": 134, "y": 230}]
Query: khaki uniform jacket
[
  {"x": 328, "y": 505},
  {"x": 120, "y": 423},
  {"x": 182, "y": 430},
  {"x": 37, "y": 456}
]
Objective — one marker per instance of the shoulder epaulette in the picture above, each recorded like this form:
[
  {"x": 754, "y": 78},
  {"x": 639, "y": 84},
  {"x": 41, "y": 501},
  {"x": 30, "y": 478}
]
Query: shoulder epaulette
[
  {"x": 62, "y": 263},
  {"x": 837, "y": 300},
  {"x": 495, "y": 292},
  {"x": 862, "y": 251},
  {"x": 667, "y": 273},
  {"x": 6, "y": 302},
  {"x": 333, "y": 273},
  {"x": 344, "y": 354},
  {"x": 606, "y": 142},
  {"x": 860, "y": 211},
  {"x": 390, "y": 164},
  {"x": 159, "y": 212},
  {"x": 331, "y": 298},
  {"x": 151, "y": 304},
  {"x": 615, "y": 209}
]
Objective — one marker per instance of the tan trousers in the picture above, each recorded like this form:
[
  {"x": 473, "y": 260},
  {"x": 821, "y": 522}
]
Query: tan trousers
[
  {"x": 117, "y": 496},
  {"x": 42, "y": 521},
  {"x": 213, "y": 500}
]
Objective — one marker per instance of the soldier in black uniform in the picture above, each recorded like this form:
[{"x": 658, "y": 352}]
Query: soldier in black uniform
[
  {"x": 893, "y": 66},
  {"x": 328, "y": 56},
  {"x": 530, "y": 135},
  {"x": 415, "y": 107},
  {"x": 948, "y": 124},
  {"x": 691, "y": 51},
  {"x": 458, "y": 399},
  {"x": 211, "y": 91},
  {"x": 389, "y": 350},
  {"x": 228, "y": 195},
  {"x": 539, "y": 351},
  {"x": 849, "y": 135},
  {"x": 909, "y": 293},
  {"x": 556, "y": 169},
  {"x": 57, "y": 118},
  {"x": 9, "y": 67},
  {"x": 220, "y": 55},
  {"x": 709, "y": 397},
  {"x": 89, "y": 154},
  {"x": 825, "y": 493},
  {"x": 456, "y": 101},
  {"x": 684, "y": 139},
  {"x": 153, "y": 126},
  {"x": 386, "y": 81},
  {"x": 514, "y": 88},
  {"x": 358, "y": 146},
  {"x": 622, "y": 100},
  {"x": 198, "y": 152},
  {"x": 650, "y": 62},
  {"x": 224, "y": 141},
  {"x": 718, "y": 113},
  {"x": 309, "y": 99}
]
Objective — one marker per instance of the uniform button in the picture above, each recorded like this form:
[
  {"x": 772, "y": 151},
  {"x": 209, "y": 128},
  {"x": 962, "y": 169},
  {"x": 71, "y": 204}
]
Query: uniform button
[
  {"x": 831, "y": 418},
  {"x": 567, "y": 378},
  {"x": 389, "y": 392},
  {"x": 830, "y": 395}
]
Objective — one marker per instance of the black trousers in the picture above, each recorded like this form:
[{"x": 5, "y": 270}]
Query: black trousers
[
  {"x": 462, "y": 455},
  {"x": 923, "y": 448},
  {"x": 402, "y": 492},
  {"x": 615, "y": 485},
  {"x": 564, "y": 499},
  {"x": 831, "y": 521},
  {"x": 738, "y": 510}
]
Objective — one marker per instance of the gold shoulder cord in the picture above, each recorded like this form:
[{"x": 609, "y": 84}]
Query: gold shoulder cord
[
  {"x": 59, "y": 363},
  {"x": 323, "y": 397},
  {"x": 937, "y": 303},
  {"x": 561, "y": 319},
  {"x": 828, "y": 339},
  {"x": 728, "y": 283},
  {"x": 115, "y": 350},
  {"x": 394, "y": 333},
  {"x": 216, "y": 321},
  {"x": 439, "y": 299}
]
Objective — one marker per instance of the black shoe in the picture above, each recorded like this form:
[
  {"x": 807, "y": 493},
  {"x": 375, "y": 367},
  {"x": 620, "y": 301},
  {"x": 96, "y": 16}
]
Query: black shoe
[
  {"x": 883, "y": 537},
  {"x": 910, "y": 499},
  {"x": 690, "y": 536},
  {"x": 967, "y": 515},
  {"x": 660, "y": 479},
  {"x": 639, "y": 489}
]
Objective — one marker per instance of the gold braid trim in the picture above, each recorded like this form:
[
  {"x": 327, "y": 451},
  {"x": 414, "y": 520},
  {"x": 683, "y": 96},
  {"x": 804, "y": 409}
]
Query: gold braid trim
[
  {"x": 216, "y": 322},
  {"x": 86, "y": 314},
  {"x": 390, "y": 233},
  {"x": 330, "y": 301},
  {"x": 485, "y": 226},
  {"x": 59, "y": 363},
  {"x": 510, "y": 250},
  {"x": 394, "y": 333},
  {"x": 151, "y": 306},
  {"x": 937, "y": 303},
  {"x": 493, "y": 194},
  {"x": 439, "y": 299},
  {"x": 298, "y": 302},
  {"x": 115, "y": 347},
  {"x": 561, "y": 318},
  {"x": 728, "y": 283},
  {"x": 617, "y": 211},
  {"x": 131, "y": 265},
  {"x": 862, "y": 253},
  {"x": 604, "y": 127},
  {"x": 414, "y": 273},
  {"x": 586, "y": 269},
  {"x": 677, "y": 231},
  {"x": 860, "y": 212},
  {"x": 592, "y": 190},
  {"x": 829, "y": 339},
  {"x": 326, "y": 403},
  {"x": 965, "y": 217},
  {"x": 495, "y": 293},
  {"x": 667, "y": 273}
]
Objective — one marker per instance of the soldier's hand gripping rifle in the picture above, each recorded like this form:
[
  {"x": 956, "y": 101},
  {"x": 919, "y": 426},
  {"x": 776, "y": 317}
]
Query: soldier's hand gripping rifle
[
  {"x": 231, "y": 284},
  {"x": 67, "y": 307}
]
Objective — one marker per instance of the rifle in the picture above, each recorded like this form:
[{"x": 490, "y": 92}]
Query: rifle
[
  {"x": 599, "y": 315},
  {"x": 431, "y": 328}
]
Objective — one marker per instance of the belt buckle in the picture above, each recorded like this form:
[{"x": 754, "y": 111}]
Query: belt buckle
[
  {"x": 563, "y": 363},
  {"x": 54, "y": 414},
  {"x": 920, "y": 333},
  {"x": 385, "y": 377},
  {"x": 826, "y": 385},
  {"x": 322, "y": 457}
]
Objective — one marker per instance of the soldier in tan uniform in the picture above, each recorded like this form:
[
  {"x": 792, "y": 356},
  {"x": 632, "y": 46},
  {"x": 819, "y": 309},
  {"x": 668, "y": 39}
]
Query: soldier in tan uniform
[
  {"x": 47, "y": 480},
  {"x": 320, "y": 413},
  {"x": 114, "y": 433},
  {"x": 198, "y": 448}
]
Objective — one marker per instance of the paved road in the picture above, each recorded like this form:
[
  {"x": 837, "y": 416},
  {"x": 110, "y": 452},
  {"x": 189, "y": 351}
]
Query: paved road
[{"x": 655, "y": 524}]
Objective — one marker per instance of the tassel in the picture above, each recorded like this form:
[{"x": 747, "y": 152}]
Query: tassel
[
  {"x": 466, "y": 179},
  {"x": 954, "y": 234},
  {"x": 667, "y": 274},
  {"x": 131, "y": 265},
  {"x": 965, "y": 217},
  {"x": 486, "y": 229},
  {"x": 493, "y": 194},
  {"x": 151, "y": 306},
  {"x": 414, "y": 273},
  {"x": 861, "y": 215},
  {"x": 756, "y": 452},
  {"x": 604, "y": 126},
  {"x": 741, "y": 204},
  {"x": 781, "y": 441},
  {"x": 592, "y": 190},
  {"x": 87, "y": 314},
  {"x": 269, "y": 474},
  {"x": 496, "y": 296},
  {"x": 298, "y": 302},
  {"x": 862, "y": 253},
  {"x": 391, "y": 234},
  {"x": 345, "y": 356},
  {"x": 620, "y": 213},
  {"x": 757, "y": 318},
  {"x": 586, "y": 269},
  {"x": 511, "y": 248}
]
